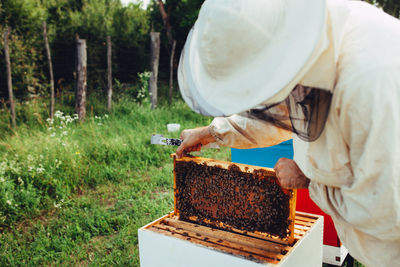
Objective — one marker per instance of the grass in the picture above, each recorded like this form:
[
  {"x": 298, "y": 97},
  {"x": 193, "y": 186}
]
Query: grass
[{"x": 76, "y": 195}]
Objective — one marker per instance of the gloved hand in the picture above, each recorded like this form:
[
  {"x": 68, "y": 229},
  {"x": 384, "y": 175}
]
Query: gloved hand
[
  {"x": 193, "y": 139},
  {"x": 289, "y": 174}
]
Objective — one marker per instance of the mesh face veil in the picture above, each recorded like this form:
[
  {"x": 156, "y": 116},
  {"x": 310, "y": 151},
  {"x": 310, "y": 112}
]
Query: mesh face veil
[{"x": 304, "y": 112}]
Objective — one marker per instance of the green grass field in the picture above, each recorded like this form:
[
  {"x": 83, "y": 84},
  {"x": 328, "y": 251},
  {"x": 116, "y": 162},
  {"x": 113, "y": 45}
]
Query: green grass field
[{"x": 75, "y": 194}]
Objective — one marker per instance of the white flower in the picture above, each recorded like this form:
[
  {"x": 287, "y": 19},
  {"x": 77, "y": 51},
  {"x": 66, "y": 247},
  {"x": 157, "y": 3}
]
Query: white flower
[
  {"x": 105, "y": 116},
  {"x": 50, "y": 128},
  {"x": 20, "y": 181},
  {"x": 65, "y": 133},
  {"x": 40, "y": 170},
  {"x": 2, "y": 179},
  {"x": 58, "y": 114},
  {"x": 9, "y": 202},
  {"x": 100, "y": 123},
  {"x": 53, "y": 134}
]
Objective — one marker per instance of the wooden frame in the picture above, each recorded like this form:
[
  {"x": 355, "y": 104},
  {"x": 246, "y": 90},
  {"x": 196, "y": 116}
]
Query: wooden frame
[{"x": 289, "y": 239}]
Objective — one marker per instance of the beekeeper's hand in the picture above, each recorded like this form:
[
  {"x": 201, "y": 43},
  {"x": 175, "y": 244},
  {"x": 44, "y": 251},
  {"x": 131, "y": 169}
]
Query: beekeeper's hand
[
  {"x": 193, "y": 139},
  {"x": 289, "y": 174}
]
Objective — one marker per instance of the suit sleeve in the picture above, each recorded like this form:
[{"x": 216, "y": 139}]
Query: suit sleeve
[{"x": 238, "y": 131}]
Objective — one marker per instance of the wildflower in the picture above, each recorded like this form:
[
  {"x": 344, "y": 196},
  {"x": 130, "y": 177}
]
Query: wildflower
[
  {"x": 9, "y": 202},
  {"x": 59, "y": 204},
  {"x": 58, "y": 163},
  {"x": 2, "y": 179},
  {"x": 65, "y": 133},
  {"x": 53, "y": 134},
  {"x": 20, "y": 181},
  {"x": 105, "y": 116},
  {"x": 40, "y": 169},
  {"x": 77, "y": 153},
  {"x": 58, "y": 114}
]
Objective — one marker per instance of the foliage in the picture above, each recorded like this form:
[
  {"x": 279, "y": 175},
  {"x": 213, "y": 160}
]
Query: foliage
[
  {"x": 92, "y": 20},
  {"x": 391, "y": 7},
  {"x": 143, "y": 96},
  {"x": 26, "y": 66},
  {"x": 182, "y": 15}
]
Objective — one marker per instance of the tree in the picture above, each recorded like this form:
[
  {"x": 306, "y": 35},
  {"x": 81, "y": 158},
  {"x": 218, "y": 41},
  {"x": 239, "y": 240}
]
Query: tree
[
  {"x": 9, "y": 79},
  {"x": 155, "y": 55},
  {"x": 48, "y": 53},
  {"x": 172, "y": 43},
  {"x": 93, "y": 20}
]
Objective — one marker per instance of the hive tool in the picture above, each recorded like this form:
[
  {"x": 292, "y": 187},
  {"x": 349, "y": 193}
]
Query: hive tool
[{"x": 159, "y": 139}]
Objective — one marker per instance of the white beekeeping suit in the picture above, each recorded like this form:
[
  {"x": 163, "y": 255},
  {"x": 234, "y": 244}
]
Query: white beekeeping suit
[{"x": 354, "y": 165}]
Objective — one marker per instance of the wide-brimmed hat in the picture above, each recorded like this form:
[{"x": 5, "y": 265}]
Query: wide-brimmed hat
[{"x": 242, "y": 53}]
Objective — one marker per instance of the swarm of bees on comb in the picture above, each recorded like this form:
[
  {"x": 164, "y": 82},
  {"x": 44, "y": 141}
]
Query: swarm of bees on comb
[{"x": 215, "y": 196}]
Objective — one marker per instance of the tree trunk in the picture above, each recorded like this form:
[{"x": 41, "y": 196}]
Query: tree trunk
[
  {"x": 109, "y": 73},
  {"x": 165, "y": 19},
  {"x": 46, "y": 42},
  {"x": 171, "y": 72},
  {"x": 9, "y": 80},
  {"x": 81, "y": 79},
  {"x": 155, "y": 56}
]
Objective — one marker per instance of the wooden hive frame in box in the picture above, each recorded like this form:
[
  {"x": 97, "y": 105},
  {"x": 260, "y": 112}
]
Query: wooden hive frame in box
[{"x": 187, "y": 222}]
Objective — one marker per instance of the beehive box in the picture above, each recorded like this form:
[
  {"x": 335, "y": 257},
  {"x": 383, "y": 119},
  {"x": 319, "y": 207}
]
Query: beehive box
[
  {"x": 169, "y": 242},
  {"x": 205, "y": 230},
  {"x": 235, "y": 197}
]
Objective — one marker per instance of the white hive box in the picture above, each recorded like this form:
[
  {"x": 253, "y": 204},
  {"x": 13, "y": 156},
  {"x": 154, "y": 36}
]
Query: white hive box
[{"x": 169, "y": 242}]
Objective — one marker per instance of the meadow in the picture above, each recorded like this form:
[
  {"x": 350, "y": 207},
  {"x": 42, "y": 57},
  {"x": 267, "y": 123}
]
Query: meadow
[{"x": 75, "y": 193}]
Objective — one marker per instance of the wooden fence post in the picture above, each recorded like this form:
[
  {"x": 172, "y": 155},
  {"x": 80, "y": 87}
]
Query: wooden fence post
[
  {"x": 46, "y": 42},
  {"x": 81, "y": 79},
  {"x": 171, "y": 72},
  {"x": 155, "y": 56},
  {"x": 109, "y": 73},
  {"x": 9, "y": 79}
]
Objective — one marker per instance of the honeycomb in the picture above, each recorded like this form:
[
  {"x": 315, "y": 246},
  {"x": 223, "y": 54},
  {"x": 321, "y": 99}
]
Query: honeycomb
[{"x": 215, "y": 196}]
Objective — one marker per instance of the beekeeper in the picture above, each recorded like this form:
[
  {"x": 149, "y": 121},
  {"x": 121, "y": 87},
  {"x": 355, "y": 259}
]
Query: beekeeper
[{"x": 326, "y": 74}]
